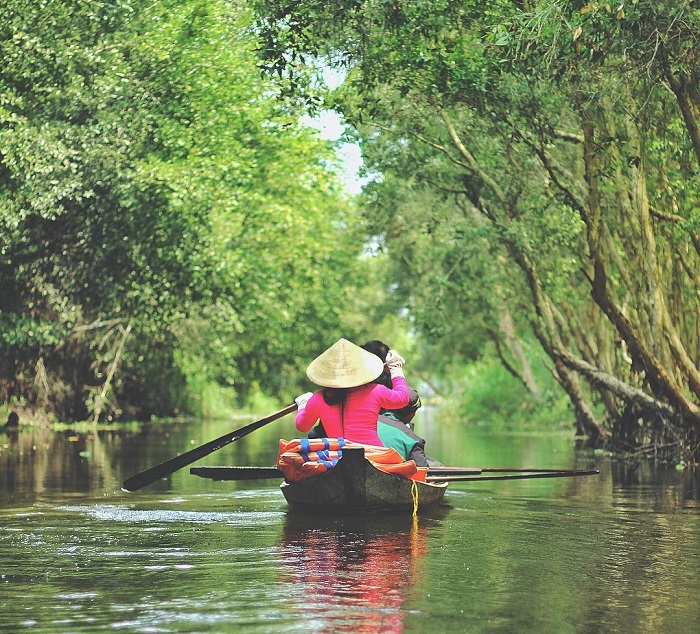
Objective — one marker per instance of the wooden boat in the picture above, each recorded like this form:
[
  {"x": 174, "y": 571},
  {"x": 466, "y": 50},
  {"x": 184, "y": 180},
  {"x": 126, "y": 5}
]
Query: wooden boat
[{"x": 352, "y": 485}]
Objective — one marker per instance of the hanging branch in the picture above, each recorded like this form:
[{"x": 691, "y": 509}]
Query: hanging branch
[{"x": 102, "y": 397}]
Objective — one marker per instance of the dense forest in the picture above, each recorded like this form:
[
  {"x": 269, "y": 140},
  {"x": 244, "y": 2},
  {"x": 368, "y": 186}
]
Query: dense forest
[
  {"x": 167, "y": 222},
  {"x": 169, "y": 226}
]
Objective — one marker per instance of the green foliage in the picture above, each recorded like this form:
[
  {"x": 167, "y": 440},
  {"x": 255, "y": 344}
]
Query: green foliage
[
  {"x": 22, "y": 333},
  {"x": 534, "y": 179},
  {"x": 153, "y": 183},
  {"x": 433, "y": 52},
  {"x": 642, "y": 32},
  {"x": 484, "y": 393}
]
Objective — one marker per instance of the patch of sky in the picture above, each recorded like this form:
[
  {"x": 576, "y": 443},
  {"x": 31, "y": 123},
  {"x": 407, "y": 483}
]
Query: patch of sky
[{"x": 331, "y": 127}]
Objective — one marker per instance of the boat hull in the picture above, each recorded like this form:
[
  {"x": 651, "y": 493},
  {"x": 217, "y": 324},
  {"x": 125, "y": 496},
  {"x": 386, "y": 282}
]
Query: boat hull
[{"x": 355, "y": 485}]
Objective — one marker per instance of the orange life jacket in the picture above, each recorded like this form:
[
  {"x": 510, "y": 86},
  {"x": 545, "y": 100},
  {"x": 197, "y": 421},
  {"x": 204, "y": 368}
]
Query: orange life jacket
[{"x": 306, "y": 457}]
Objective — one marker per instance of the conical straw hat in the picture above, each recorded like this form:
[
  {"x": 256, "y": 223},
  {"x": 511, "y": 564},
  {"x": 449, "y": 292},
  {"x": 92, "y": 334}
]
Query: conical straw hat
[{"x": 344, "y": 364}]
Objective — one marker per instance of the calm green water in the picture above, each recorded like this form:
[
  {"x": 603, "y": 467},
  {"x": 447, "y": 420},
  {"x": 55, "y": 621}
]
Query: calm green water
[{"x": 617, "y": 552}]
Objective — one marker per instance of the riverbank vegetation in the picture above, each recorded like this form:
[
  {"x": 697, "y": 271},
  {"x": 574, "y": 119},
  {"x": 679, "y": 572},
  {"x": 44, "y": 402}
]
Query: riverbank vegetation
[{"x": 174, "y": 240}]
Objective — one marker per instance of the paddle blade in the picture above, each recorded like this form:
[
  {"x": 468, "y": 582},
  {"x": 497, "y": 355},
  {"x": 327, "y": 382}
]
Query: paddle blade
[
  {"x": 237, "y": 473},
  {"x": 144, "y": 478}
]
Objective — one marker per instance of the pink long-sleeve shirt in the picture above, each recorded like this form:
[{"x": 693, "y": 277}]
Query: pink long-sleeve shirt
[{"x": 360, "y": 412}]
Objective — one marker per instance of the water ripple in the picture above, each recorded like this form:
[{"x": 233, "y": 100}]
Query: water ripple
[{"x": 108, "y": 513}]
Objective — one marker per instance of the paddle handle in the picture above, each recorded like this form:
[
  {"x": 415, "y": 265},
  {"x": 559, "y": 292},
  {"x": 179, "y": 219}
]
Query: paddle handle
[{"x": 144, "y": 478}]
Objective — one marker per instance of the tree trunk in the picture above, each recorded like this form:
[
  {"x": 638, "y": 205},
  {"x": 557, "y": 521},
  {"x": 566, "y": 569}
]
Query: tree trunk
[
  {"x": 689, "y": 109},
  {"x": 523, "y": 371}
]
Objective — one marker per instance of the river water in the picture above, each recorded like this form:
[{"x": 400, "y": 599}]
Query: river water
[{"x": 615, "y": 552}]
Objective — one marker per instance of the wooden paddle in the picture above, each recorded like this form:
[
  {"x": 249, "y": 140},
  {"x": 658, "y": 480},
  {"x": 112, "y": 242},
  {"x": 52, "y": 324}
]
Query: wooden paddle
[
  {"x": 475, "y": 470},
  {"x": 453, "y": 471},
  {"x": 271, "y": 473},
  {"x": 518, "y": 476},
  {"x": 237, "y": 473},
  {"x": 163, "y": 469},
  {"x": 441, "y": 474}
]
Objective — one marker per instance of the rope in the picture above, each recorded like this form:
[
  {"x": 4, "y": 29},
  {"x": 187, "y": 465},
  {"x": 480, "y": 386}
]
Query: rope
[{"x": 414, "y": 495}]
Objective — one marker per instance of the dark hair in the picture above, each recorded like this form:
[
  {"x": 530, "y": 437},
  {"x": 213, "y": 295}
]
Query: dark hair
[
  {"x": 377, "y": 347},
  {"x": 335, "y": 395},
  {"x": 381, "y": 350}
]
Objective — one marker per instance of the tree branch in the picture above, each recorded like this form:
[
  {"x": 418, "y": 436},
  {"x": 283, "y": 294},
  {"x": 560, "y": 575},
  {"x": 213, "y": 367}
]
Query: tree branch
[
  {"x": 626, "y": 392},
  {"x": 471, "y": 161}
]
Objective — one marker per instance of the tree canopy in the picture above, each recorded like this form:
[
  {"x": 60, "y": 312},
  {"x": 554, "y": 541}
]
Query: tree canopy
[
  {"x": 538, "y": 175},
  {"x": 162, "y": 210}
]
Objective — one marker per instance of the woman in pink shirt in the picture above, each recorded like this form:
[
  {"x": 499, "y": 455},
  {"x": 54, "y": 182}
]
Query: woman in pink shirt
[{"x": 350, "y": 402}]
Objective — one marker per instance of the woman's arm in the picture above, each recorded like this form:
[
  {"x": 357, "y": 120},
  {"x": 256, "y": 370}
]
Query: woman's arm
[
  {"x": 308, "y": 416},
  {"x": 397, "y": 397}
]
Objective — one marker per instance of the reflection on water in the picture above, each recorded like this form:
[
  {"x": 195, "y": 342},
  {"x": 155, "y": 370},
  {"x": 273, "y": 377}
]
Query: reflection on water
[
  {"x": 356, "y": 573},
  {"x": 657, "y": 488},
  {"x": 615, "y": 552}
]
